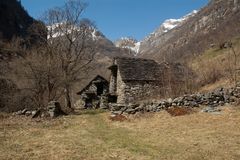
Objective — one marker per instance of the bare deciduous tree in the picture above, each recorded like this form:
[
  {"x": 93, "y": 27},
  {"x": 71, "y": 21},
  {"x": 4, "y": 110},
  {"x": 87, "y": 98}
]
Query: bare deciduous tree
[
  {"x": 235, "y": 62},
  {"x": 49, "y": 70},
  {"x": 36, "y": 72},
  {"x": 71, "y": 40}
]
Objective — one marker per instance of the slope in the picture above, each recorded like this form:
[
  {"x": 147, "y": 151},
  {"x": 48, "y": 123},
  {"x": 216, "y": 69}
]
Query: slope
[{"x": 212, "y": 25}]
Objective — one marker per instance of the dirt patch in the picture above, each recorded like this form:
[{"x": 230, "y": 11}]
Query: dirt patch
[
  {"x": 179, "y": 111},
  {"x": 118, "y": 117}
]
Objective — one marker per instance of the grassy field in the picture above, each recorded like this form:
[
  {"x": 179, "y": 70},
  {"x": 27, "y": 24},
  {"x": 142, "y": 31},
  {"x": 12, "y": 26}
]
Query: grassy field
[{"x": 92, "y": 136}]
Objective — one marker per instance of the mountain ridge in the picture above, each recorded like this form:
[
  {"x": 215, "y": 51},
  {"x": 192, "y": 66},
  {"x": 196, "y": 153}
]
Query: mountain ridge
[
  {"x": 14, "y": 20},
  {"x": 165, "y": 27},
  {"x": 212, "y": 25}
]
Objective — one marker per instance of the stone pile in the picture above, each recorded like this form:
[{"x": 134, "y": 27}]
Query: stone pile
[
  {"x": 218, "y": 97},
  {"x": 25, "y": 112},
  {"x": 52, "y": 110}
]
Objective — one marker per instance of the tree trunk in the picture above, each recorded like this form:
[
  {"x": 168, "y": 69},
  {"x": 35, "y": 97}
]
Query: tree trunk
[{"x": 67, "y": 97}]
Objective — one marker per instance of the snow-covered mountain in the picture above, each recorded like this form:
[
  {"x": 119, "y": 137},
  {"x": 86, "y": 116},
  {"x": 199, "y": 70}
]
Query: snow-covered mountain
[
  {"x": 60, "y": 29},
  {"x": 162, "y": 34},
  {"x": 128, "y": 43},
  {"x": 178, "y": 40},
  {"x": 165, "y": 27},
  {"x": 92, "y": 35},
  {"x": 168, "y": 25}
]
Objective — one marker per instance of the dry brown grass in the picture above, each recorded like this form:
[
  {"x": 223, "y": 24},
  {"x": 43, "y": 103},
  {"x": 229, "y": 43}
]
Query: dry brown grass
[
  {"x": 222, "y": 83},
  {"x": 216, "y": 65},
  {"x": 151, "y": 136}
]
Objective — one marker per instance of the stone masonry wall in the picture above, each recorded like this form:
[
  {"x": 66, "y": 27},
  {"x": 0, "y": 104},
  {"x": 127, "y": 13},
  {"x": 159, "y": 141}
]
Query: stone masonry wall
[
  {"x": 138, "y": 91},
  {"x": 132, "y": 91},
  {"x": 120, "y": 89},
  {"x": 213, "y": 99},
  {"x": 112, "y": 84}
]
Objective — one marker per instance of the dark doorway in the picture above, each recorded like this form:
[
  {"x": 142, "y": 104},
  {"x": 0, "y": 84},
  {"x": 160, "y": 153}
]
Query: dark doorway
[
  {"x": 88, "y": 103},
  {"x": 112, "y": 99},
  {"x": 99, "y": 88}
]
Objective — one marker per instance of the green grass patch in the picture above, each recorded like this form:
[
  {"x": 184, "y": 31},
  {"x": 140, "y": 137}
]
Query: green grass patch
[{"x": 120, "y": 138}]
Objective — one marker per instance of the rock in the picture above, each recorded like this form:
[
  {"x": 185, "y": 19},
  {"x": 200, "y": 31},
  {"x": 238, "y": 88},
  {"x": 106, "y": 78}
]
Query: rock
[
  {"x": 213, "y": 99},
  {"x": 215, "y": 102},
  {"x": 116, "y": 106},
  {"x": 36, "y": 114},
  {"x": 149, "y": 108},
  {"x": 226, "y": 98},
  {"x": 194, "y": 104},
  {"x": 54, "y": 109},
  {"x": 33, "y": 112},
  {"x": 28, "y": 113},
  {"x": 104, "y": 102},
  {"x": 211, "y": 109},
  {"x": 154, "y": 107},
  {"x": 124, "y": 108},
  {"x": 133, "y": 106},
  {"x": 42, "y": 114},
  {"x": 117, "y": 113},
  {"x": 24, "y": 111},
  {"x": 103, "y": 106},
  {"x": 169, "y": 100},
  {"x": 186, "y": 103},
  {"x": 178, "y": 100},
  {"x": 188, "y": 98},
  {"x": 140, "y": 108},
  {"x": 130, "y": 111},
  {"x": 19, "y": 112},
  {"x": 221, "y": 103}
]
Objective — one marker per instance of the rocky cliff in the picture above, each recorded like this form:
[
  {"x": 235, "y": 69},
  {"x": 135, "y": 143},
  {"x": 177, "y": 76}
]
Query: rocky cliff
[
  {"x": 14, "y": 20},
  {"x": 212, "y": 25},
  {"x": 162, "y": 34}
]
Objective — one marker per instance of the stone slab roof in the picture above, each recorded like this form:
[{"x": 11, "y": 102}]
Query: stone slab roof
[
  {"x": 138, "y": 69},
  {"x": 97, "y": 79}
]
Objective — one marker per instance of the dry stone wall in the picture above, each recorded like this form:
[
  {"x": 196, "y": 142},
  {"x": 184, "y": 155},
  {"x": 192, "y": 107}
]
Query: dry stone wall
[{"x": 212, "y": 99}]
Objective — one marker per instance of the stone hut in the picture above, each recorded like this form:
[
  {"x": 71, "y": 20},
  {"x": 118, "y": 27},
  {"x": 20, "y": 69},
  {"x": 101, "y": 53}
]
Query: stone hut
[
  {"x": 91, "y": 95},
  {"x": 135, "y": 79}
]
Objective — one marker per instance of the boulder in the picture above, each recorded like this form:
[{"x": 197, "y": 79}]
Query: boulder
[
  {"x": 24, "y": 111},
  {"x": 80, "y": 104},
  {"x": 54, "y": 109},
  {"x": 116, "y": 106},
  {"x": 38, "y": 113},
  {"x": 117, "y": 113},
  {"x": 211, "y": 109},
  {"x": 28, "y": 113},
  {"x": 104, "y": 102},
  {"x": 130, "y": 111}
]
